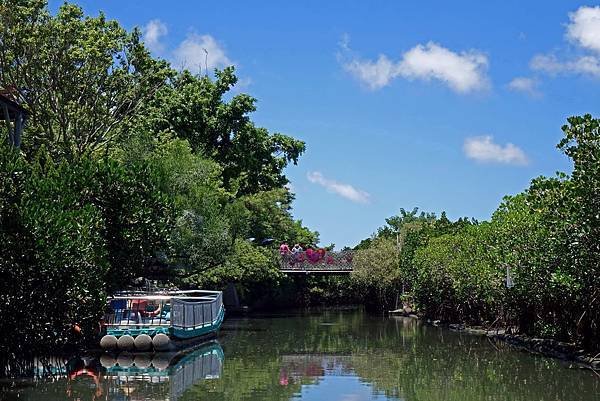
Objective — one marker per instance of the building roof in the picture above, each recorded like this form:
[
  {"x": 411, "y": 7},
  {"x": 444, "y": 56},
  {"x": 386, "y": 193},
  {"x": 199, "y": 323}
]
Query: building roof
[{"x": 14, "y": 108}]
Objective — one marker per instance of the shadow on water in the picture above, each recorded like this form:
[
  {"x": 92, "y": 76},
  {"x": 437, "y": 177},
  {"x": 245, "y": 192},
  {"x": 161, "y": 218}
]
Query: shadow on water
[{"x": 139, "y": 376}]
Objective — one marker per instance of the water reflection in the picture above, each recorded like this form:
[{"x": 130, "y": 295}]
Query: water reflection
[
  {"x": 143, "y": 376},
  {"x": 353, "y": 356},
  {"x": 331, "y": 355}
]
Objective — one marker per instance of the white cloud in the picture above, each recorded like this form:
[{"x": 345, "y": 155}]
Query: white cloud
[
  {"x": 374, "y": 74},
  {"x": 153, "y": 33},
  {"x": 344, "y": 190},
  {"x": 463, "y": 72},
  {"x": 525, "y": 85},
  {"x": 546, "y": 63},
  {"x": 584, "y": 27},
  {"x": 483, "y": 149},
  {"x": 550, "y": 64},
  {"x": 198, "y": 52},
  {"x": 583, "y": 30}
]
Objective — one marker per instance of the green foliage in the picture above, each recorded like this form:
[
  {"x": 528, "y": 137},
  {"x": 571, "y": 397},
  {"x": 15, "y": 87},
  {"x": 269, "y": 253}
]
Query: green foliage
[
  {"x": 202, "y": 236},
  {"x": 388, "y": 273},
  {"x": 71, "y": 231},
  {"x": 268, "y": 216},
  {"x": 582, "y": 145},
  {"x": 255, "y": 270},
  {"x": 455, "y": 277},
  {"x": 395, "y": 224},
  {"x": 79, "y": 77},
  {"x": 377, "y": 270},
  {"x": 570, "y": 210},
  {"x": 194, "y": 108},
  {"x": 62, "y": 275},
  {"x": 520, "y": 243}
]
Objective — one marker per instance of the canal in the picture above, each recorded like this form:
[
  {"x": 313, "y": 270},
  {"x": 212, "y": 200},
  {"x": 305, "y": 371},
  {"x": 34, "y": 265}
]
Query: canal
[{"x": 325, "y": 355}]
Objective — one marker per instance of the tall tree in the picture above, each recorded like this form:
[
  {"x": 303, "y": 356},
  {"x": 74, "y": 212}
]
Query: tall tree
[
  {"x": 79, "y": 77},
  {"x": 196, "y": 108}
]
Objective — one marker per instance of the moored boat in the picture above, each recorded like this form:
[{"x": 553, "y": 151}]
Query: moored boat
[{"x": 161, "y": 321}]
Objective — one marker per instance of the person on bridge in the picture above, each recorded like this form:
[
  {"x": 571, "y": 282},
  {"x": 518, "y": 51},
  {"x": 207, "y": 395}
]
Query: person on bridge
[
  {"x": 284, "y": 249},
  {"x": 297, "y": 249},
  {"x": 286, "y": 255},
  {"x": 298, "y": 253}
]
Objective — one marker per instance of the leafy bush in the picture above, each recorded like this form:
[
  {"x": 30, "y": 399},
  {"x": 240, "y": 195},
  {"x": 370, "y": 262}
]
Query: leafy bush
[
  {"x": 254, "y": 270},
  {"x": 71, "y": 233},
  {"x": 455, "y": 279},
  {"x": 376, "y": 271}
]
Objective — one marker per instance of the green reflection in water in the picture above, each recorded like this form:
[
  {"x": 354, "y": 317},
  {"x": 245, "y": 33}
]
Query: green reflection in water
[
  {"x": 338, "y": 355},
  {"x": 353, "y": 356}
]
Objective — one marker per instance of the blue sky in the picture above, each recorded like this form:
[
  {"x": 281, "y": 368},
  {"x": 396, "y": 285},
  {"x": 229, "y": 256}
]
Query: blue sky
[{"x": 435, "y": 104}]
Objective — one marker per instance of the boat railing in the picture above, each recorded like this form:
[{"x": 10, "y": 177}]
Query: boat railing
[
  {"x": 192, "y": 312},
  {"x": 182, "y": 309}
]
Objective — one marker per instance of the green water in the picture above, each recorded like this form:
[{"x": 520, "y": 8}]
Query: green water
[{"x": 332, "y": 355}]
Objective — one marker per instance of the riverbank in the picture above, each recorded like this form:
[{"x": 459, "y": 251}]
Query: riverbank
[
  {"x": 546, "y": 347},
  {"x": 551, "y": 348}
]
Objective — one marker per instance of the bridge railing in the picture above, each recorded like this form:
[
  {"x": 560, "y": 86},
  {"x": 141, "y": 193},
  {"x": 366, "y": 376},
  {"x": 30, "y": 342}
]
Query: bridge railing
[{"x": 314, "y": 260}]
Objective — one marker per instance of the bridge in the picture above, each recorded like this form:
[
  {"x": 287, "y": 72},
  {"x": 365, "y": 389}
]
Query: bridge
[{"x": 316, "y": 262}]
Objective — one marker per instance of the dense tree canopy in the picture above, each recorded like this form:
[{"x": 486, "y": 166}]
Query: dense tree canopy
[
  {"x": 194, "y": 108},
  {"x": 79, "y": 77}
]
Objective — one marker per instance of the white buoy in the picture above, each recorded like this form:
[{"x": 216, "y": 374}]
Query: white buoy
[
  {"x": 107, "y": 361},
  {"x": 142, "y": 361},
  {"x": 143, "y": 342},
  {"x": 161, "y": 361},
  {"x": 161, "y": 342},
  {"x": 124, "y": 360},
  {"x": 125, "y": 342},
  {"x": 108, "y": 342}
]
